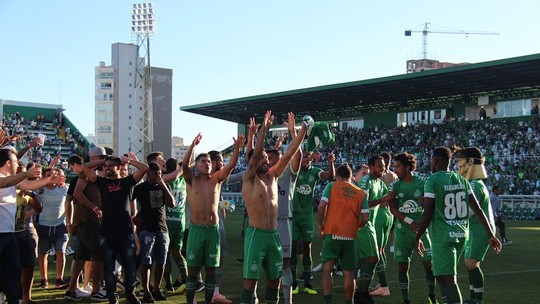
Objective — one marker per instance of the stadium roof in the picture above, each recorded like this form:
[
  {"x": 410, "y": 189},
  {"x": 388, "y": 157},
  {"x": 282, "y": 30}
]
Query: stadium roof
[{"x": 510, "y": 78}]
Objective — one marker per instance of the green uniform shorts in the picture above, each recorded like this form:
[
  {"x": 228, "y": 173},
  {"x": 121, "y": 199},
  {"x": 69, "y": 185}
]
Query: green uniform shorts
[
  {"x": 176, "y": 234},
  {"x": 445, "y": 258},
  {"x": 203, "y": 246},
  {"x": 405, "y": 245},
  {"x": 477, "y": 245},
  {"x": 303, "y": 227},
  {"x": 366, "y": 242},
  {"x": 339, "y": 249},
  {"x": 262, "y": 249}
]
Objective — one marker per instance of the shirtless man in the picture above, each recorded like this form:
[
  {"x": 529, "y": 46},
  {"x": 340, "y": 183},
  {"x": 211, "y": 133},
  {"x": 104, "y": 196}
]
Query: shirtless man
[
  {"x": 203, "y": 245},
  {"x": 262, "y": 245}
]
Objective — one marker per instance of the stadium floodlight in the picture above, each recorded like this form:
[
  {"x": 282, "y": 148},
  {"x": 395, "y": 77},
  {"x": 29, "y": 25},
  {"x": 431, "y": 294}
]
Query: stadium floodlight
[{"x": 143, "y": 21}]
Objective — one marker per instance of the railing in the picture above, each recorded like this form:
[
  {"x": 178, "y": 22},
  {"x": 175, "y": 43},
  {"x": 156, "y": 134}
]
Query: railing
[
  {"x": 235, "y": 197},
  {"x": 520, "y": 207}
]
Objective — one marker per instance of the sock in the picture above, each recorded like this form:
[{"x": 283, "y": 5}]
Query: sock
[
  {"x": 247, "y": 296},
  {"x": 327, "y": 298},
  {"x": 190, "y": 288},
  {"x": 452, "y": 294},
  {"x": 381, "y": 270},
  {"x": 366, "y": 275},
  {"x": 209, "y": 286},
  {"x": 308, "y": 264},
  {"x": 293, "y": 262},
  {"x": 271, "y": 295},
  {"x": 219, "y": 275},
  {"x": 182, "y": 267},
  {"x": 476, "y": 279},
  {"x": 403, "y": 277},
  {"x": 348, "y": 302},
  {"x": 286, "y": 285},
  {"x": 167, "y": 272},
  {"x": 430, "y": 281}
]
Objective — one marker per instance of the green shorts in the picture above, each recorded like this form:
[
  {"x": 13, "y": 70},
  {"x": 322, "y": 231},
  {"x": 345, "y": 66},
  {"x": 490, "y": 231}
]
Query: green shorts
[
  {"x": 477, "y": 245},
  {"x": 339, "y": 250},
  {"x": 303, "y": 227},
  {"x": 366, "y": 242},
  {"x": 203, "y": 248},
  {"x": 405, "y": 245},
  {"x": 176, "y": 234},
  {"x": 383, "y": 225},
  {"x": 262, "y": 248},
  {"x": 445, "y": 258}
]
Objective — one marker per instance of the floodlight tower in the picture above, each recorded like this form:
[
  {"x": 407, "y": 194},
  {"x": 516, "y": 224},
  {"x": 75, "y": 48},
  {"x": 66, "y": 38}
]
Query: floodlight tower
[{"x": 143, "y": 25}]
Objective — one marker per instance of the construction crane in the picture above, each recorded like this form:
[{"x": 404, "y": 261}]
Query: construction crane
[{"x": 426, "y": 30}]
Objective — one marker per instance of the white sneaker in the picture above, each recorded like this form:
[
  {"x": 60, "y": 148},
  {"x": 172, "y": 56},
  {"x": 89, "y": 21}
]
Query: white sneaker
[
  {"x": 317, "y": 268},
  {"x": 339, "y": 273},
  {"x": 69, "y": 251},
  {"x": 380, "y": 292},
  {"x": 88, "y": 289},
  {"x": 83, "y": 293}
]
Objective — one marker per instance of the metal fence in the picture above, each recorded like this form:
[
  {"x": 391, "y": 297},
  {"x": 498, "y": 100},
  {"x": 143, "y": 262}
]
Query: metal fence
[{"x": 520, "y": 207}]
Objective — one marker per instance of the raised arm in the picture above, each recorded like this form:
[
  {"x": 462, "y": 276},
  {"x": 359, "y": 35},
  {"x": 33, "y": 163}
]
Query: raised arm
[
  {"x": 173, "y": 175},
  {"x": 54, "y": 179},
  {"x": 186, "y": 163},
  {"x": 142, "y": 168},
  {"x": 259, "y": 146},
  {"x": 277, "y": 169},
  {"x": 38, "y": 141},
  {"x": 252, "y": 131},
  {"x": 296, "y": 160},
  {"x": 13, "y": 180},
  {"x": 224, "y": 172},
  {"x": 331, "y": 173},
  {"x": 88, "y": 169}
]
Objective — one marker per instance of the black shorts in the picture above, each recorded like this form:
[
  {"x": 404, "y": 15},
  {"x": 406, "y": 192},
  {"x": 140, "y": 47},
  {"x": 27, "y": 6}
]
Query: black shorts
[
  {"x": 27, "y": 249},
  {"x": 88, "y": 242}
]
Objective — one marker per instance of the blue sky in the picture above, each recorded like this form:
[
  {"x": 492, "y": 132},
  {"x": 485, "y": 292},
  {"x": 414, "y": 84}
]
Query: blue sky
[{"x": 228, "y": 49}]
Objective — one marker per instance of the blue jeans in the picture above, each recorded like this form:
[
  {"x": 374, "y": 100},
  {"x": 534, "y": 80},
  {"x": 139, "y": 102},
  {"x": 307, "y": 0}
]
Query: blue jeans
[
  {"x": 11, "y": 264},
  {"x": 123, "y": 248}
]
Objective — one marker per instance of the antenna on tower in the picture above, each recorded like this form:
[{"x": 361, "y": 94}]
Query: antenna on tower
[{"x": 143, "y": 26}]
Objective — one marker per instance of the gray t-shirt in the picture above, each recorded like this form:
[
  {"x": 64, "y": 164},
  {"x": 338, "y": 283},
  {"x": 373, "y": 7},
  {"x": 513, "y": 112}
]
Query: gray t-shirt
[{"x": 53, "y": 213}]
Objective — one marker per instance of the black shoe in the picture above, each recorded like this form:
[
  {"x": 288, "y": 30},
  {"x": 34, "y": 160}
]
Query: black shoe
[
  {"x": 132, "y": 299},
  {"x": 177, "y": 284},
  {"x": 159, "y": 296},
  {"x": 61, "y": 284},
  {"x": 72, "y": 296},
  {"x": 240, "y": 260},
  {"x": 99, "y": 297},
  {"x": 362, "y": 298},
  {"x": 169, "y": 288},
  {"x": 199, "y": 287},
  {"x": 148, "y": 299}
]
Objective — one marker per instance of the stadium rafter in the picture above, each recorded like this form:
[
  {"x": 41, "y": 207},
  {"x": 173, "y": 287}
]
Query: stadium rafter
[{"x": 511, "y": 77}]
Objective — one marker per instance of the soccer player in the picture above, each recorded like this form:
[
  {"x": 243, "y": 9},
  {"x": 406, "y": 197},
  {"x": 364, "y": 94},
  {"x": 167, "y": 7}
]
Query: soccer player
[
  {"x": 203, "y": 191},
  {"x": 368, "y": 238},
  {"x": 262, "y": 244},
  {"x": 303, "y": 218},
  {"x": 343, "y": 210},
  {"x": 445, "y": 207},
  {"x": 496, "y": 205},
  {"x": 470, "y": 162},
  {"x": 407, "y": 207}
]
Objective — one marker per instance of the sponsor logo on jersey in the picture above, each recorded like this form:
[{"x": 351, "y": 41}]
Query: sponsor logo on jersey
[
  {"x": 462, "y": 222},
  {"x": 254, "y": 267},
  {"x": 410, "y": 207},
  {"x": 454, "y": 187},
  {"x": 454, "y": 234},
  {"x": 304, "y": 189}
]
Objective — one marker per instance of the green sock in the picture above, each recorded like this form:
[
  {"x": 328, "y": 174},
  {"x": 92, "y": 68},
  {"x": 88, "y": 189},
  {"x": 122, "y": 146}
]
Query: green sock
[
  {"x": 366, "y": 275},
  {"x": 476, "y": 279},
  {"x": 271, "y": 295},
  {"x": 182, "y": 267},
  {"x": 293, "y": 262},
  {"x": 403, "y": 277},
  {"x": 167, "y": 272},
  {"x": 327, "y": 298},
  {"x": 209, "y": 286},
  {"x": 430, "y": 281},
  {"x": 308, "y": 264},
  {"x": 247, "y": 296},
  {"x": 190, "y": 289},
  {"x": 453, "y": 295}
]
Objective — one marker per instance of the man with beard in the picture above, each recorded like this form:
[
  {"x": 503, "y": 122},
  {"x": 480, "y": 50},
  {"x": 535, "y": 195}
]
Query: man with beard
[
  {"x": 117, "y": 231},
  {"x": 203, "y": 191},
  {"x": 262, "y": 244}
]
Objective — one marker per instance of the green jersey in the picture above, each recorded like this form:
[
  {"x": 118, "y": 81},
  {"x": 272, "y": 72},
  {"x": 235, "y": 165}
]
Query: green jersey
[
  {"x": 376, "y": 189},
  {"x": 178, "y": 190},
  {"x": 303, "y": 192},
  {"x": 482, "y": 195},
  {"x": 451, "y": 210},
  {"x": 408, "y": 196}
]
